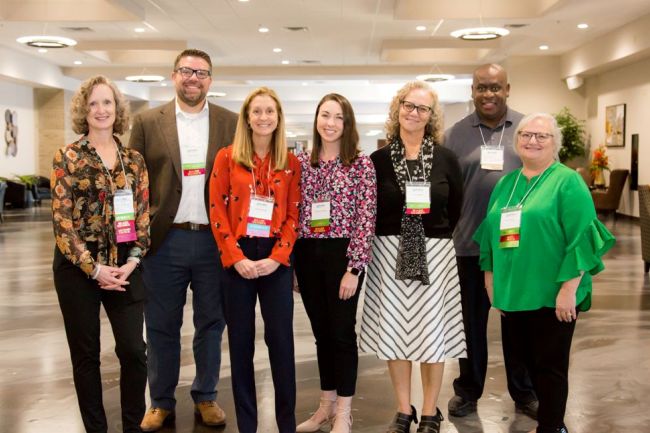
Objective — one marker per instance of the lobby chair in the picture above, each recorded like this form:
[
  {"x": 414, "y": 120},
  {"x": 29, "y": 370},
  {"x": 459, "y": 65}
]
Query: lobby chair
[
  {"x": 3, "y": 189},
  {"x": 43, "y": 188},
  {"x": 644, "y": 223},
  {"x": 607, "y": 201},
  {"x": 16, "y": 195},
  {"x": 586, "y": 175}
]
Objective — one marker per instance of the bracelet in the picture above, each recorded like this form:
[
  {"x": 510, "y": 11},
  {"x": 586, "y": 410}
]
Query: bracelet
[
  {"x": 95, "y": 273},
  {"x": 134, "y": 259}
]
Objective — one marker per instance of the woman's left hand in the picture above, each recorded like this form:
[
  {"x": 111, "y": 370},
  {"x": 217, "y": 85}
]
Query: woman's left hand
[
  {"x": 266, "y": 266},
  {"x": 565, "y": 305},
  {"x": 348, "y": 286},
  {"x": 124, "y": 271}
]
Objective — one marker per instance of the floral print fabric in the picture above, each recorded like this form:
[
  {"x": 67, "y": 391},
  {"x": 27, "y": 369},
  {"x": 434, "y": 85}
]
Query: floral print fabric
[
  {"x": 352, "y": 192},
  {"x": 82, "y": 203}
]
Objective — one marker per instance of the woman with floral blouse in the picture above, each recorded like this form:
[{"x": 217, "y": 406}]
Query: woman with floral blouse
[
  {"x": 337, "y": 224},
  {"x": 254, "y": 194},
  {"x": 100, "y": 206}
]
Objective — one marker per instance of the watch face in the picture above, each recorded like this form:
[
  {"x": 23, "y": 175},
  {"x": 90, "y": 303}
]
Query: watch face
[{"x": 354, "y": 271}]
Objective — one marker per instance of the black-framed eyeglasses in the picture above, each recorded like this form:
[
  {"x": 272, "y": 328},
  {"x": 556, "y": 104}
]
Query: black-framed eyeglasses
[
  {"x": 186, "y": 72},
  {"x": 409, "y": 106},
  {"x": 540, "y": 137}
]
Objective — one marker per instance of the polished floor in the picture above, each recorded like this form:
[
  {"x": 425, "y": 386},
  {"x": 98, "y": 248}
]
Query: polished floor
[{"x": 609, "y": 377}]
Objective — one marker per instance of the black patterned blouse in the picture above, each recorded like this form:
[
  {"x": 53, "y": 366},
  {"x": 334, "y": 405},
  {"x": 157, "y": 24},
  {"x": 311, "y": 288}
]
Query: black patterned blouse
[{"x": 82, "y": 203}]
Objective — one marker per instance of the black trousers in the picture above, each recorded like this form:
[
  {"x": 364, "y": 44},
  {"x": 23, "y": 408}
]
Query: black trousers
[
  {"x": 544, "y": 343},
  {"x": 80, "y": 299},
  {"x": 320, "y": 265},
  {"x": 476, "y": 309},
  {"x": 276, "y": 304}
]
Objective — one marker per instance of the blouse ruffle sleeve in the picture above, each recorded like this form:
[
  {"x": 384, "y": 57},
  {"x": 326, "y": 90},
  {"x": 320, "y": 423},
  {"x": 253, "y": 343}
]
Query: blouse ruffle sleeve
[{"x": 585, "y": 253}]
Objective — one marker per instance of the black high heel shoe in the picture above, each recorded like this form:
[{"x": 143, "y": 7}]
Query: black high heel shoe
[
  {"x": 430, "y": 424},
  {"x": 402, "y": 422}
]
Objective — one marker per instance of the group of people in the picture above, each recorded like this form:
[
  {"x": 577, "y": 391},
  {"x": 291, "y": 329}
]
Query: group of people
[{"x": 440, "y": 227}]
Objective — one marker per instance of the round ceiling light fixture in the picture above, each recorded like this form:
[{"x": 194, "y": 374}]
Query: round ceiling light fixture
[
  {"x": 435, "y": 78},
  {"x": 480, "y": 33},
  {"x": 46, "y": 41},
  {"x": 145, "y": 78}
]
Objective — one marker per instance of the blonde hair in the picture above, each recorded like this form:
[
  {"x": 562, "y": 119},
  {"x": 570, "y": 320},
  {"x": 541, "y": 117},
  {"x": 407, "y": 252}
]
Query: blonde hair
[
  {"x": 79, "y": 106},
  {"x": 433, "y": 126},
  {"x": 242, "y": 146}
]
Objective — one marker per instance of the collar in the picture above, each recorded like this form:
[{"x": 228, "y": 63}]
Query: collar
[
  {"x": 508, "y": 119},
  {"x": 201, "y": 113}
]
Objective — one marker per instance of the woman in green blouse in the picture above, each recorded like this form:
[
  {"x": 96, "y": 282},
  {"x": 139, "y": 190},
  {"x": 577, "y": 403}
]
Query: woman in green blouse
[{"x": 540, "y": 245}]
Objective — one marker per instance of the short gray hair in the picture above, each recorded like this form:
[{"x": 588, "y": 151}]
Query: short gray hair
[{"x": 555, "y": 130}]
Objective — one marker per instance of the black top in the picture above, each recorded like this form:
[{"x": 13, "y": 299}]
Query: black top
[{"x": 446, "y": 194}]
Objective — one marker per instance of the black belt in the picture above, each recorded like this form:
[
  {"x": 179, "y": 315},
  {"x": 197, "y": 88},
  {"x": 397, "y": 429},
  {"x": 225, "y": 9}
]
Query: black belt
[{"x": 191, "y": 226}]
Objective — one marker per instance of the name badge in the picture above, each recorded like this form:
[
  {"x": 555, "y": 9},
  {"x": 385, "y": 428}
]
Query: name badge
[
  {"x": 492, "y": 158},
  {"x": 509, "y": 227},
  {"x": 193, "y": 160},
  {"x": 124, "y": 213},
  {"x": 320, "y": 216},
  {"x": 260, "y": 214},
  {"x": 418, "y": 198}
]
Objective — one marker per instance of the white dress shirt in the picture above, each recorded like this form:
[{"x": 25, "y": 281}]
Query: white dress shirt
[{"x": 193, "y": 132}]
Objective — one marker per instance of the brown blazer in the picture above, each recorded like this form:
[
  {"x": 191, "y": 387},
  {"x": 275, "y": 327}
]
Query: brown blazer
[{"x": 155, "y": 136}]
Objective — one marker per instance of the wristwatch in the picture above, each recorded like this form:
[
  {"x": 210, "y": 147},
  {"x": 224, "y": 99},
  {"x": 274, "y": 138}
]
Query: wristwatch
[{"x": 354, "y": 271}]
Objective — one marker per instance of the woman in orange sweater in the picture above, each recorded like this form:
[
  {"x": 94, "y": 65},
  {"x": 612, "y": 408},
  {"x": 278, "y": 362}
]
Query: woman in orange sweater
[{"x": 254, "y": 195}]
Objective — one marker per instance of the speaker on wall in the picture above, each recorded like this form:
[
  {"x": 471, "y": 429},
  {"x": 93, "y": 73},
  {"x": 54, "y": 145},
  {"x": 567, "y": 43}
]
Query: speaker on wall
[{"x": 634, "y": 165}]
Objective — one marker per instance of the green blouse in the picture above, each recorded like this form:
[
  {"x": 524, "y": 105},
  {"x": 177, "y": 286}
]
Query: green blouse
[{"x": 560, "y": 236}]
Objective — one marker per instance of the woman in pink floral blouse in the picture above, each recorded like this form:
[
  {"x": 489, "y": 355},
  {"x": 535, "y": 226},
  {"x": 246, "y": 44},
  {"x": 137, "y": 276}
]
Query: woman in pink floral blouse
[
  {"x": 337, "y": 225},
  {"x": 100, "y": 210}
]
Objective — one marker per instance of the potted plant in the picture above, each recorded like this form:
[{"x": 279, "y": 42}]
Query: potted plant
[{"x": 573, "y": 135}]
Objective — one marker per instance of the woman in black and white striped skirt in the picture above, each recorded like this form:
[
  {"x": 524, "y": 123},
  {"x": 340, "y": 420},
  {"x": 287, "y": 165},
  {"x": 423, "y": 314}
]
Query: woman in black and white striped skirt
[{"x": 412, "y": 311}]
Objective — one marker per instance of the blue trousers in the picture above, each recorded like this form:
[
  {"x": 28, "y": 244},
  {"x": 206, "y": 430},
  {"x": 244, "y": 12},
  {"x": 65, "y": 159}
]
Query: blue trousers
[
  {"x": 276, "y": 304},
  {"x": 185, "y": 258}
]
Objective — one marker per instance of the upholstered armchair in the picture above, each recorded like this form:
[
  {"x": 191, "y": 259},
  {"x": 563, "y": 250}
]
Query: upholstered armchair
[
  {"x": 586, "y": 175},
  {"x": 607, "y": 201},
  {"x": 3, "y": 189},
  {"x": 644, "y": 222}
]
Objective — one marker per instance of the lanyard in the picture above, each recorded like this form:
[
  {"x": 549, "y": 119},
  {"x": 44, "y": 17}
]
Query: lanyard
[
  {"x": 521, "y": 202},
  {"x": 500, "y": 138},
  {"x": 268, "y": 187},
  {"x": 110, "y": 178},
  {"x": 424, "y": 174}
]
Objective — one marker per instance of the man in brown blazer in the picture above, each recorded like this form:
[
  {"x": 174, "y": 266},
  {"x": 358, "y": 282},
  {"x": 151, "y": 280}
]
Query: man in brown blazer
[{"x": 179, "y": 141}]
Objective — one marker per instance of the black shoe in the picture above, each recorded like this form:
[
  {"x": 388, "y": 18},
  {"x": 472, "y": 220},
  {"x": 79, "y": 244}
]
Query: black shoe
[
  {"x": 459, "y": 407},
  {"x": 529, "y": 409},
  {"x": 430, "y": 424},
  {"x": 402, "y": 422}
]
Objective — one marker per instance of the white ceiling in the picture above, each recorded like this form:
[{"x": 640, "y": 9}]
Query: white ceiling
[{"x": 364, "y": 49}]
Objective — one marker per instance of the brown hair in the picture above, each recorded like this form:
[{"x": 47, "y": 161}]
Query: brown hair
[
  {"x": 434, "y": 125},
  {"x": 350, "y": 137},
  {"x": 193, "y": 52},
  {"x": 79, "y": 106},
  {"x": 242, "y": 147}
]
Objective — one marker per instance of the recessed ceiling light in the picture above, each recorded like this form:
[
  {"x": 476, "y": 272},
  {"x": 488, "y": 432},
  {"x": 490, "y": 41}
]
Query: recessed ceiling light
[
  {"x": 243, "y": 1},
  {"x": 139, "y": 29},
  {"x": 583, "y": 26},
  {"x": 46, "y": 41},
  {"x": 285, "y": 62},
  {"x": 163, "y": 84},
  {"x": 421, "y": 28},
  {"x": 145, "y": 78},
  {"x": 263, "y": 29},
  {"x": 277, "y": 50},
  {"x": 216, "y": 94},
  {"x": 480, "y": 33},
  {"x": 373, "y": 132},
  {"x": 543, "y": 47},
  {"x": 78, "y": 62},
  {"x": 435, "y": 78},
  {"x": 42, "y": 50}
]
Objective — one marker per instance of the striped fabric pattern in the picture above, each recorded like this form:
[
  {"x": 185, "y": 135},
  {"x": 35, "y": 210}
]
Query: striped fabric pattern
[{"x": 407, "y": 320}]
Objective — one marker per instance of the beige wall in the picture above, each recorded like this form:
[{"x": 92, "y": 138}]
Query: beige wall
[
  {"x": 50, "y": 126},
  {"x": 18, "y": 98}
]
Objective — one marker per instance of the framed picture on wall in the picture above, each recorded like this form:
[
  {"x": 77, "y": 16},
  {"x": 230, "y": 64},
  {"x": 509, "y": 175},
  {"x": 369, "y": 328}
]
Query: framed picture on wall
[{"x": 615, "y": 125}]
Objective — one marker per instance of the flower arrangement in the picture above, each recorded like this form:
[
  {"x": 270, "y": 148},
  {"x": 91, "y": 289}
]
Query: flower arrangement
[{"x": 599, "y": 160}]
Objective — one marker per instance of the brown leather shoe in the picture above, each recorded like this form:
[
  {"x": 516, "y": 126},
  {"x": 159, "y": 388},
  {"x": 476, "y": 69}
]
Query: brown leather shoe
[
  {"x": 211, "y": 413},
  {"x": 155, "y": 418}
]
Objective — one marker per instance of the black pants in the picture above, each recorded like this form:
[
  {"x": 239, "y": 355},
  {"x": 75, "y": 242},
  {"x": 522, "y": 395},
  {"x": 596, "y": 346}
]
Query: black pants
[
  {"x": 276, "y": 304},
  {"x": 476, "y": 308},
  {"x": 80, "y": 299},
  {"x": 544, "y": 343},
  {"x": 320, "y": 265}
]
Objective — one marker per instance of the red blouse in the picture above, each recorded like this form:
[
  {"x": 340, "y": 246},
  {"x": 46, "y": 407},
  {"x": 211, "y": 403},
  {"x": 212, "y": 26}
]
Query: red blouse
[{"x": 231, "y": 186}]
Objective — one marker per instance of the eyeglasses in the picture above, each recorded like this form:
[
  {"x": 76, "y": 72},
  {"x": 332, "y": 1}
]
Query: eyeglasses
[
  {"x": 201, "y": 74},
  {"x": 540, "y": 137},
  {"x": 409, "y": 106},
  {"x": 484, "y": 89}
]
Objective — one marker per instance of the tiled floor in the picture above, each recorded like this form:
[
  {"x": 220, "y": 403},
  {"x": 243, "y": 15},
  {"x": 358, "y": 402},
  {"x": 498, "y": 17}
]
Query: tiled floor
[{"x": 609, "y": 378}]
